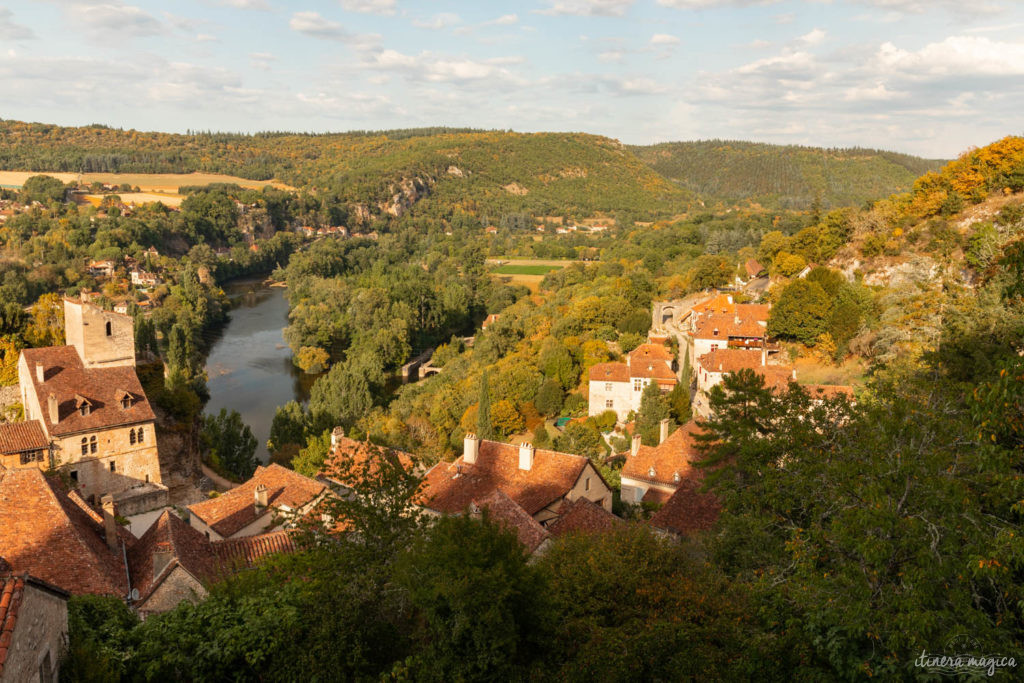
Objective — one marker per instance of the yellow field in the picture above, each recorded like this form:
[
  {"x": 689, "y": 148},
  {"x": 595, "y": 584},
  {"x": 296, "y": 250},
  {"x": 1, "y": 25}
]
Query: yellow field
[
  {"x": 528, "y": 262},
  {"x": 136, "y": 198},
  {"x": 147, "y": 182}
]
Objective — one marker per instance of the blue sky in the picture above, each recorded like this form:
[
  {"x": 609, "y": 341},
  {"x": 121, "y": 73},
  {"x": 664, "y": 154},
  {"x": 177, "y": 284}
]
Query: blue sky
[{"x": 929, "y": 77}]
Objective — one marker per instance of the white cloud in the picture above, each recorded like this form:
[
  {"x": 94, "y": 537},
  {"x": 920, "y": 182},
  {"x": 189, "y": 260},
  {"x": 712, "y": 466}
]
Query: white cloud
[
  {"x": 664, "y": 39},
  {"x": 611, "y": 55},
  {"x": 10, "y": 30},
  {"x": 956, "y": 55},
  {"x": 711, "y": 4},
  {"x": 436, "y": 68},
  {"x": 369, "y": 6},
  {"x": 205, "y": 38},
  {"x": 438, "y": 21},
  {"x": 872, "y": 93},
  {"x": 109, "y": 20},
  {"x": 314, "y": 25},
  {"x": 922, "y": 6},
  {"x": 503, "y": 20},
  {"x": 813, "y": 37},
  {"x": 606, "y": 8},
  {"x": 246, "y": 4}
]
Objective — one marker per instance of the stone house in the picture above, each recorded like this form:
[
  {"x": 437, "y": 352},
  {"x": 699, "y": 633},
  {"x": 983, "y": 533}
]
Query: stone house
[
  {"x": 87, "y": 400},
  {"x": 538, "y": 480},
  {"x": 651, "y": 474},
  {"x": 33, "y": 627},
  {"x": 142, "y": 278},
  {"x": 274, "y": 496},
  {"x": 620, "y": 386}
]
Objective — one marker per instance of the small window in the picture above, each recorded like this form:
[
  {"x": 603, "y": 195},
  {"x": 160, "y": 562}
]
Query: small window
[
  {"x": 586, "y": 484},
  {"x": 147, "y": 478},
  {"x": 74, "y": 475},
  {"x": 126, "y": 402},
  {"x": 83, "y": 409},
  {"x": 714, "y": 347},
  {"x": 92, "y": 444},
  {"x": 85, "y": 446},
  {"x": 113, "y": 466},
  {"x": 131, "y": 436},
  {"x": 108, "y": 328},
  {"x": 607, "y": 386},
  {"x": 638, "y": 385},
  {"x": 31, "y": 457},
  {"x": 141, "y": 435},
  {"x": 609, "y": 403}
]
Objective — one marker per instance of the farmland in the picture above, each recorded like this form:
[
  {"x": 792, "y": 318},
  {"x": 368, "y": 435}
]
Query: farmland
[{"x": 165, "y": 183}]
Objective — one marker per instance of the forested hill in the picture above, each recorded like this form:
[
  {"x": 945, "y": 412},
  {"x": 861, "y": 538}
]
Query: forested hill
[
  {"x": 783, "y": 177},
  {"x": 487, "y": 173}
]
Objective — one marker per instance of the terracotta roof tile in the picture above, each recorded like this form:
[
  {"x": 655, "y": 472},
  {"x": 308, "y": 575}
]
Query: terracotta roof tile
[
  {"x": 66, "y": 377},
  {"x": 232, "y": 511},
  {"x": 583, "y": 516},
  {"x": 732, "y": 360},
  {"x": 757, "y": 312},
  {"x": 12, "y": 589},
  {"x": 451, "y": 486},
  {"x": 248, "y": 550},
  {"x": 670, "y": 458},
  {"x": 349, "y": 457},
  {"x": 720, "y": 303},
  {"x": 507, "y": 513},
  {"x": 609, "y": 372},
  {"x": 48, "y": 532},
  {"x": 647, "y": 353},
  {"x": 22, "y": 436},
  {"x": 185, "y": 547},
  {"x": 753, "y": 267},
  {"x": 688, "y": 510},
  {"x": 719, "y": 326}
]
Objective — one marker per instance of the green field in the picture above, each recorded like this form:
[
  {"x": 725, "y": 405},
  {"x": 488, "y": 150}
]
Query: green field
[{"x": 511, "y": 269}]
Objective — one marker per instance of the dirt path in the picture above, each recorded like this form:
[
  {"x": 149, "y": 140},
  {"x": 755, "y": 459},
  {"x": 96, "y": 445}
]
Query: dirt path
[{"x": 220, "y": 482}]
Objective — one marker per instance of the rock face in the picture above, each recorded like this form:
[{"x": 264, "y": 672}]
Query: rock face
[{"x": 405, "y": 193}]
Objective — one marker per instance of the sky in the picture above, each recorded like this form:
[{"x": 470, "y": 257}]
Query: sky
[{"x": 926, "y": 77}]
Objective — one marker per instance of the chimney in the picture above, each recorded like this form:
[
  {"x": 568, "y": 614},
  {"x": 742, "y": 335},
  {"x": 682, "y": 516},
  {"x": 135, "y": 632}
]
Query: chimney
[
  {"x": 794, "y": 374},
  {"x": 525, "y": 456},
  {"x": 764, "y": 356},
  {"x": 51, "y": 404},
  {"x": 40, "y": 373},
  {"x": 729, "y": 298},
  {"x": 109, "y": 523},
  {"x": 663, "y": 431},
  {"x": 260, "y": 495},
  {"x": 337, "y": 434},
  {"x": 634, "y": 446},
  {"x": 470, "y": 449}
]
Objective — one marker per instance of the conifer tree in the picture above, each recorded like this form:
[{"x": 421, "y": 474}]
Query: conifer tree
[{"x": 483, "y": 415}]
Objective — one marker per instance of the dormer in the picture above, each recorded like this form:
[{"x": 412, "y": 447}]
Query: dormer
[
  {"x": 83, "y": 405},
  {"x": 125, "y": 399}
]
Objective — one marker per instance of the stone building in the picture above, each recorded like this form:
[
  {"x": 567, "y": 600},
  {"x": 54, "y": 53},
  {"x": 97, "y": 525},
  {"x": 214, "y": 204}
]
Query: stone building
[
  {"x": 86, "y": 399},
  {"x": 620, "y": 386},
  {"x": 33, "y": 627}
]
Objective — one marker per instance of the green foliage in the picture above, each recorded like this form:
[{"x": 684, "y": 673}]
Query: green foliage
[
  {"x": 801, "y": 313},
  {"x": 679, "y": 401},
  {"x": 506, "y": 419},
  {"x": 580, "y": 439},
  {"x": 340, "y": 397},
  {"x": 654, "y": 407},
  {"x": 310, "y": 459},
  {"x": 630, "y": 340},
  {"x": 549, "y": 397},
  {"x": 99, "y": 633},
  {"x": 229, "y": 444},
  {"x": 484, "y": 428},
  {"x": 289, "y": 426},
  {"x": 43, "y": 189}
]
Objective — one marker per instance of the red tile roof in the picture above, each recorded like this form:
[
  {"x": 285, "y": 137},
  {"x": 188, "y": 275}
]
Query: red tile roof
[
  {"x": 655, "y": 370},
  {"x": 452, "y": 486},
  {"x": 759, "y": 312},
  {"x": 351, "y": 458},
  {"x": 248, "y": 550},
  {"x": 232, "y": 511},
  {"x": 186, "y": 548},
  {"x": 720, "y": 303},
  {"x": 507, "y": 513},
  {"x": 12, "y": 588},
  {"x": 719, "y": 326},
  {"x": 731, "y": 360},
  {"x": 648, "y": 353},
  {"x": 50, "y": 534},
  {"x": 609, "y": 372},
  {"x": 688, "y": 510},
  {"x": 18, "y": 437},
  {"x": 585, "y": 517},
  {"x": 753, "y": 267},
  {"x": 669, "y": 458},
  {"x": 66, "y": 376}
]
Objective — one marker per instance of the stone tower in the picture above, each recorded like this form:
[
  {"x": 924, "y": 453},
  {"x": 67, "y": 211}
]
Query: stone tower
[{"x": 103, "y": 339}]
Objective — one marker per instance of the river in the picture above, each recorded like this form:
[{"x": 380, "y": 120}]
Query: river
[{"x": 249, "y": 365}]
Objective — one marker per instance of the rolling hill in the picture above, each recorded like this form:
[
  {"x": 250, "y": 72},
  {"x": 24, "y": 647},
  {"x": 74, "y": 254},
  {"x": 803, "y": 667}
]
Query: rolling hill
[{"x": 783, "y": 177}]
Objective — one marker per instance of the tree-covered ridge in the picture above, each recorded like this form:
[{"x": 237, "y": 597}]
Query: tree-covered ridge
[
  {"x": 787, "y": 177},
  {"x": 486, "y": 173}
]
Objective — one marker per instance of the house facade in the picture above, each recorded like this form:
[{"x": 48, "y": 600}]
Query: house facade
[
  {"x": 651, "y": 474},
  {"x": 33, "y": 627},
  {"x": 620, "y": 386}
]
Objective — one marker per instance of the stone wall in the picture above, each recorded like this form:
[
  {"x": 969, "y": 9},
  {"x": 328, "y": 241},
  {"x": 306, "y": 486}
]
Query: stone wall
[
  {"x": 102, "y": 338},
  {"x": 175, "y": 588},
  {"x": 39, "y": 637},
  {"x": 9, "y": 397},
  {"x": 134, "y": 464}
]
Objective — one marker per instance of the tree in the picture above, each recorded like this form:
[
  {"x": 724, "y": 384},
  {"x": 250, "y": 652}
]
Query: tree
[
  {"x": 43, "y": 189},
  {"x": 10, "y": 348},
  {"x": 230, "y": 445},
  {"x": 145, "y": 335},
  {"x": 679, "y": 402},
  {"x": 506, "y": 419},
  {"x": 312, "y": 360},
  {"x": 802, "y": 312},
  {"x": 556, "y": 362},
  {"x": 484, "y": 429},
  {"x": 46, "y": 322},
  {"x": 549, "y": 397},
  {"x": 580, "y": 439},
  {"x": 654, "y": 407},
  {"x": 340, "y": 397},
  {"x": 288, "y": 426},
  {"x": 310, "y": 459}
]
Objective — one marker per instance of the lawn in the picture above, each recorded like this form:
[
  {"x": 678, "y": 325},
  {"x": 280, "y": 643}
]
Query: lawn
[{"x": 510, "y": 269}]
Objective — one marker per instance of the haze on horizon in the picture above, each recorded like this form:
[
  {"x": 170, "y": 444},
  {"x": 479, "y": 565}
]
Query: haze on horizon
[{"x": 927, "y": 77}]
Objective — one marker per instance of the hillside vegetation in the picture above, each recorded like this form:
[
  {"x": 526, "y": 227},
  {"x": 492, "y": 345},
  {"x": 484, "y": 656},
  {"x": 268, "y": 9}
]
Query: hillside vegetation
[
  {"x": 783, "y": 177},
  {"x": 489, "y": 174}
]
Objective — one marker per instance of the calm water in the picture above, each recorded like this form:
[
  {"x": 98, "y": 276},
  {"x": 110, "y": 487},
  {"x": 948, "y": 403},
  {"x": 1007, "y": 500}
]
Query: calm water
[{"x": 249, "y": 366}]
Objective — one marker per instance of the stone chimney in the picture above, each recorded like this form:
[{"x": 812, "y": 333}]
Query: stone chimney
[
  {"x": 794, "y": 374},
  {"x": 40, "y": 373},
  {"x": 526, "y": 456},
  {"x": 663, "y": 430},
  {"x": 764, "y": 356},
  {"x": 634, "y": 446},
  {"x": 470, "y": 449},
  {"x": 260, "y": 495},
  {"x": 109, "y": 523},
  {"x": 51, "y": 404},
  {"x": 337, "y": 434},
  {"x": 729, "y": 298}
]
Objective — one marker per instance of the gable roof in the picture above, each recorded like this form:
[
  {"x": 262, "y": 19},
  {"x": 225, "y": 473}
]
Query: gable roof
[
  {"x": 732, "y": 360},
  {"x": 248, "y": 550},
  {"x": 720, "y": 326},
  {"x": 186, "y": 547},
  {"x": 688, "y": 510},
  {"x": 234, "y": 510},
  {"x": 348, "y": 458},
  {"x": 507, "y": 513},
  {"x": 609, "y": 372},
  {"x": 583, "y": 516},
  {"x": 753, "y": 267},
  {"x": 18, "y": 437},
  {"x": 648, "y": 353},
  {"x": 720, "y": 303},
  {"x": 451, "y": 486},
  {"x": 55, "y": 536},
  {"x": 669, "y": 458},
  {"x": 68, "y": 379},
  {"x": 12, "y": 595}
]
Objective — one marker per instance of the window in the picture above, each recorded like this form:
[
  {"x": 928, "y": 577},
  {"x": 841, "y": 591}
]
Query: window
[
  {"x": 74, "y": 475},
  {"x": 141, "y": 434},
  {"x": 113, "y": 466},
  {"x": 586, "y": 484},
  {"x": 638, "y": 384},
  {"x": 714, "y": 347},
  {"x": 131, "y": 436},
  {"x": 31, "y": 457},
  {"x": 85, "y": 446},
  {"x": 147, "y": 478},
  {"x": 609, "y": 404},
  {"x": 126, "y": 402},
  {"x": 92, "y": 444},
  {"x": 108, "y": 328},
  {"x": 83, "y": 409},
  {"x": 607, "y": 386}
]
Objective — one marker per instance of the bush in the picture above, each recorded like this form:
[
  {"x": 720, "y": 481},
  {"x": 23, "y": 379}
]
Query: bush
[
  {"x": 802, "y": 312},
  {"x": 549, "y": 397}
]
